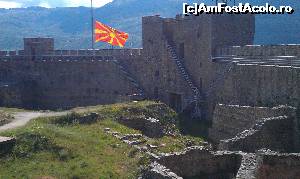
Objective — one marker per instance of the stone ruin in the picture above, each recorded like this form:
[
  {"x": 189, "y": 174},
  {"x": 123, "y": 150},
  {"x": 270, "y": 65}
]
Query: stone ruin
[
  {"x": 197, "y": 162},
  {"x": 248, "y": 128},
  {"x": 250, "y": 142},
  {"x": 6, "y": 144},
  {"x": 148, "y": 126}
]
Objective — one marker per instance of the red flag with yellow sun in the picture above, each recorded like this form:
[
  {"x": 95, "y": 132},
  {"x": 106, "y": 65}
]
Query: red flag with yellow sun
[{"x": 110, "y": 35}]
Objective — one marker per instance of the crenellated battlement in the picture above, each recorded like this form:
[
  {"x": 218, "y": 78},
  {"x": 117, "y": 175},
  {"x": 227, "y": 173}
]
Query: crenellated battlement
[
  {"x": 134, "y": 52},
  {"x": 260, "y": 50}
]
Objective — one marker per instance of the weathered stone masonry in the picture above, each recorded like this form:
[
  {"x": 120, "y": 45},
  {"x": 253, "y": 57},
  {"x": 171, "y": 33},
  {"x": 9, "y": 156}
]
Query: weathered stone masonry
[
  {"x": 53, "y": 84},
  {"x": 198, "y": 162},
  {"x": 177, "y": 65},
  {"x": 229, "y": 120}
]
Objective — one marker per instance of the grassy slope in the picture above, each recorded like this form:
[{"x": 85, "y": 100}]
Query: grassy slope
[{"x": 83, "y": 151}]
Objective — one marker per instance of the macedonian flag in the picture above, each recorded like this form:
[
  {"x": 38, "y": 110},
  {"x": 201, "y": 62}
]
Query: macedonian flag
[{"x": 110, "y": 35}]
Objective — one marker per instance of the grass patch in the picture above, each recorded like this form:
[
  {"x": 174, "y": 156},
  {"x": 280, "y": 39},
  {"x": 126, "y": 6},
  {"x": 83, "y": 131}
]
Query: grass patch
[
  {"x": 46, "y": 148},
  {"x": 67, "y": 119},
  {"x": 31, "y": 142},
  {"x": 73, "y": 151},
  {"x": 144, "y": 108},
  {"x": 168, "y": 144}
]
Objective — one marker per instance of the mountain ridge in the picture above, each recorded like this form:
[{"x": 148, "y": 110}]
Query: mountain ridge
[{"x": 71, "y": 26}]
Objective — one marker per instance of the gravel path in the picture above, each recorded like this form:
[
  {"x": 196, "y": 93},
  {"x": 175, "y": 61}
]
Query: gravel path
[{"x": 22, "y": 118}]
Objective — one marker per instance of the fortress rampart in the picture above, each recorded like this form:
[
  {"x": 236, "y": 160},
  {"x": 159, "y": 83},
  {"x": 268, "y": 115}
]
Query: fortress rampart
[
  {"x": 261, "y": 85},
  {"x": 177, "y": 65},
  {"x": 55, "y": 84},
  {"x": 75, "y": 53},
  {"x": 260, "y": 50}
]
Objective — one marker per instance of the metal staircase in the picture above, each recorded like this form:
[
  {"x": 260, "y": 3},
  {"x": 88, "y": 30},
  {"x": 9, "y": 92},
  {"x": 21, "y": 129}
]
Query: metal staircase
[
  {"x": 140, "y": 92},
  {"x": 197, "y": 97}
]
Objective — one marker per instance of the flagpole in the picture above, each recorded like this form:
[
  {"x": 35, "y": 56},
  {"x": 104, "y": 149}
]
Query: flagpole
[{"x": 92, "y": 16}]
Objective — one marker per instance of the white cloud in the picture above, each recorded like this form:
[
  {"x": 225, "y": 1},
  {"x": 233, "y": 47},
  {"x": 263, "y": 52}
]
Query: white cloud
[
  {"x": 96, "y": 3},
  {"x": 7, "y": 4},
  {"x": 44, "y": 4},
  {"x": 101, "y": 2},
  {"x": 51, "y": 3}
]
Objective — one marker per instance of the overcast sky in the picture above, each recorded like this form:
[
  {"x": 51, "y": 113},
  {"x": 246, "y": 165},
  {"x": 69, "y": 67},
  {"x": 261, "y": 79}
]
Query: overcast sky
[{"x": 50, "y": 3}]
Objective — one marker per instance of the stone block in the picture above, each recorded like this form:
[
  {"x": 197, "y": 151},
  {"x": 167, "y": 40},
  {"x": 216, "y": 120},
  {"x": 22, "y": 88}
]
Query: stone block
[{"x": 6, "y": 144}]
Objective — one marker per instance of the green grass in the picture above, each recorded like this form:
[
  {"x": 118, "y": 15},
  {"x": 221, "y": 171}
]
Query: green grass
[
  {"x": 169, "y": 144},
  {"x": 77, "y": 151},
  {"x": 45, "y": 148}
]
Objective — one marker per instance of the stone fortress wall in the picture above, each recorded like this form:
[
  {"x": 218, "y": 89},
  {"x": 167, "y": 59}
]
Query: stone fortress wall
[
  {"x": 185, "y": 45},
  {"x": 177, "y": 64},
  {"x": 74, "y": 53},
  {"x": 260, "y": 50},
  {"x": 60, "y": 84},
  {"x": 266, "y": 75},
  {"x": 229, "y": 120},
  {"x": 41, "y": 77},
  {"x": 261, "y": 85}
]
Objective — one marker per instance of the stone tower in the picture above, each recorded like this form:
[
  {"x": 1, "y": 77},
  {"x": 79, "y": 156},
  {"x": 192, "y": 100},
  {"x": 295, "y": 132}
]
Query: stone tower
[
  {"x": 37, "y": 47},
  {"x": 182, "y": 48}
]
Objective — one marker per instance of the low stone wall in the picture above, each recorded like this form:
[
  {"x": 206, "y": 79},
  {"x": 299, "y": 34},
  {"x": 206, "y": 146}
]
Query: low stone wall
[
  {"x": 148, "y": 126},
  {"x": 198, "y": 161},
  {"x": 266, "y": 164},
  {"x": 276, "y": 165},
  {"x": 158, "y": 171},
  {"x": 275, "y": 133},
  {"x": 229, "y": 120}
]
